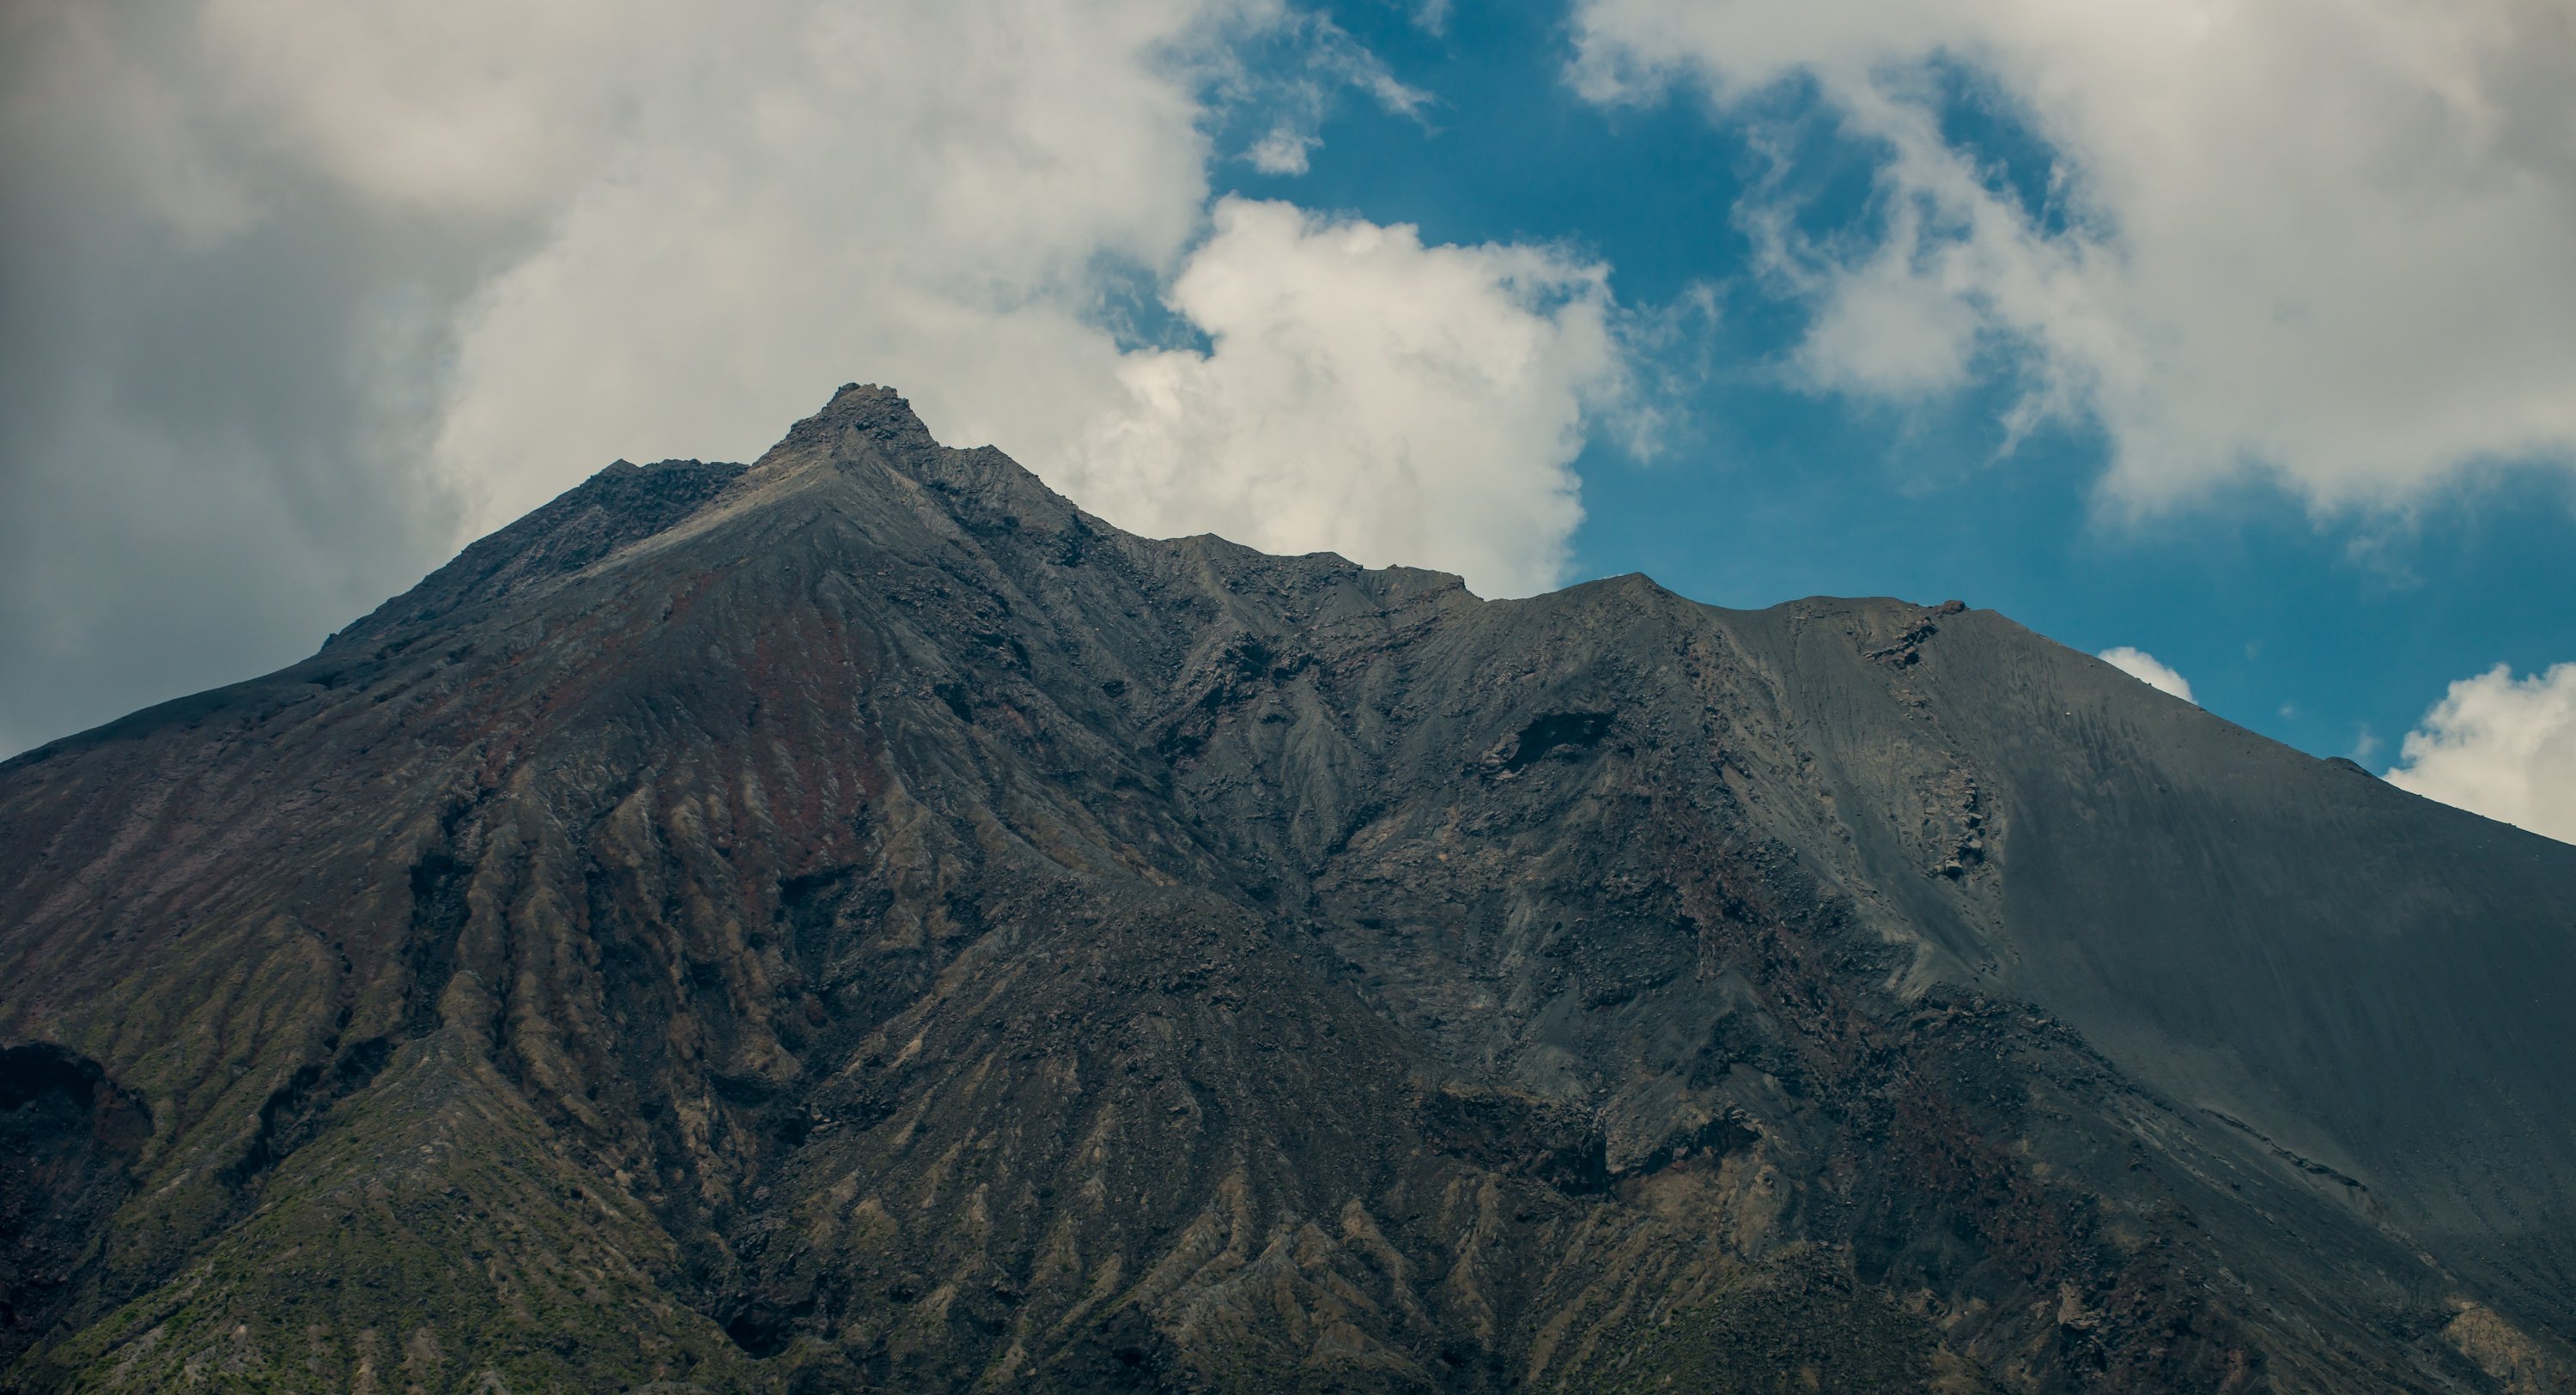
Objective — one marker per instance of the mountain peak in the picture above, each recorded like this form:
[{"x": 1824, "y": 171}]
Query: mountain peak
[
  {"x": 872, "y": 406},
  {"x": 861, "y": 922},
  {"x": 866, "y": 426},
  {"x": 860, "y": 412}
]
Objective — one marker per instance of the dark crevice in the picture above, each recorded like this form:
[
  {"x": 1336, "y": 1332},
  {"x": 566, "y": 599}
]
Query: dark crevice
[
  {"x": 1555, "y": 733},
  {"x": 764, "y": 1328},
  {"x": 68, "y": 1141},
  {"x": 293, "y": 1113},
  {"x": 438, "y": 913}
]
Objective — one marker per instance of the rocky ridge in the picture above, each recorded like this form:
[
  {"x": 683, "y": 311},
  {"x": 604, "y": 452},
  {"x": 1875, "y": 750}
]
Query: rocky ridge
[{"x": 858, "y": 922}]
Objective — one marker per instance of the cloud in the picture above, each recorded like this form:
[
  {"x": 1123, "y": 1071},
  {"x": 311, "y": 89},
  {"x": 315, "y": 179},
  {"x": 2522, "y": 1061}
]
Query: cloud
[
  {"x": 2500, "y": 746},
  {"x": 1299, "y": 94},
  {"x": 293, "y": 298},
  {"x": 213, "y": 374},
  {"x": 1367, "y": 394},
  {"x": 938, "y": 197},
  {"x": 1283, "y": 151},
  {"x": 2325, "y": 241},
  {"x": 2143, "y": 666}
]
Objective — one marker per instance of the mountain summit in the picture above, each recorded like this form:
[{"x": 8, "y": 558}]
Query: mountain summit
[{"x": 858, "y": 922}]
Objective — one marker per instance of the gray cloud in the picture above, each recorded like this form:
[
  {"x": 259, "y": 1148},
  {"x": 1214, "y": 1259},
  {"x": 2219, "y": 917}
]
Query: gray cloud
[{"x": 215, "y": 372}]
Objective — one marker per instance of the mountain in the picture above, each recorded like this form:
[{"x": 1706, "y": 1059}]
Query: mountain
[{"x": 856, "y": 921}]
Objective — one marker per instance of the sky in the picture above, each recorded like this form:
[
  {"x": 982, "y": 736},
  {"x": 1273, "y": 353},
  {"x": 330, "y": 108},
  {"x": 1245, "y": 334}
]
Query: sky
[{"x": 2234, "y": 340}]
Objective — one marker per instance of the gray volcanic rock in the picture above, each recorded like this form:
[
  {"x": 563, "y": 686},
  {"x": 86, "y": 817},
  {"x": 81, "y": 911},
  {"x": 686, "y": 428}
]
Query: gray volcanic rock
[{"x": 859, "y": 922}]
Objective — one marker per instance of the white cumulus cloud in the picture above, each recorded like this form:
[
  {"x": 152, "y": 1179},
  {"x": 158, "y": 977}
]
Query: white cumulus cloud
[
  {"x": 2500, "y": 746},
  {"x": 2144, "y": 667},
  {"x": 1366, "y": 394},
  {"x": 2327, "y": 241}
]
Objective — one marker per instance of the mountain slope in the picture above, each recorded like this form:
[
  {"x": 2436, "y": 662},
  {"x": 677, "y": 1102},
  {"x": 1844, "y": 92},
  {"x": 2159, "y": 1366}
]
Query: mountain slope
[{"x": 856, "y": 921}]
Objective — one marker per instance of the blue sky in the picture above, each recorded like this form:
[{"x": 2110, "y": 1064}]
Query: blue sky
[
  {"x": 2242, "y": 335},
  {"x": 2330, "y": 628}
]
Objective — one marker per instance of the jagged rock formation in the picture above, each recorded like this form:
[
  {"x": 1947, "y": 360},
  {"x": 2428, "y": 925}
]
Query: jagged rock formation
[{"x": 858, "y": 922}]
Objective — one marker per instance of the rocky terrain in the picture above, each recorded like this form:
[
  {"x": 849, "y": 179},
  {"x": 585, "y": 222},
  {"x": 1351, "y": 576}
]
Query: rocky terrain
[{"x": 856, "y": 922}]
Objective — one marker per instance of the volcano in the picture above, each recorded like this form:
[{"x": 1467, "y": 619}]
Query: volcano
[{"x": 857, "y": 922}]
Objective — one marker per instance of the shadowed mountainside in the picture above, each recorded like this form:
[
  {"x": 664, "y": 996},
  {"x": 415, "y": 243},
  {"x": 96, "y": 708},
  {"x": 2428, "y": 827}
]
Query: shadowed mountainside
[{"x": 857, "y": 922}]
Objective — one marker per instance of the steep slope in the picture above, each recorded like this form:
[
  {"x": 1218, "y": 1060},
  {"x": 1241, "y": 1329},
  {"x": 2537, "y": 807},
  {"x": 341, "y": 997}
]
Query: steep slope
[{"x": 856, "y": 921}]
